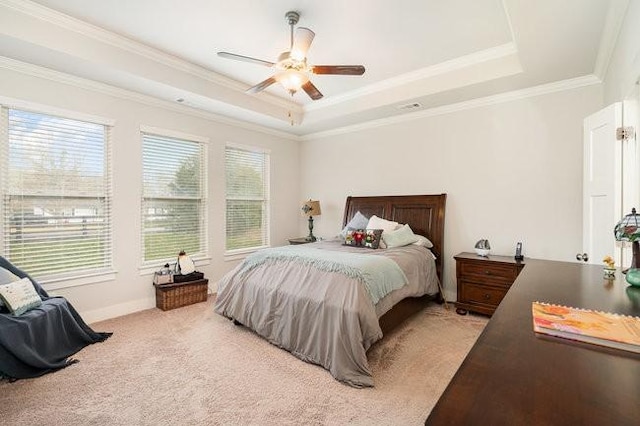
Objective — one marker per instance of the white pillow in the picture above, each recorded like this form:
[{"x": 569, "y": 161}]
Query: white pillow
[
  {"x": 386, "y": 225},
  {"x": 20, "y": 296},
  {"x": 358, "y": 221},
  {"x": 423, "y": 241},
  {"x": 379, "y": 223},
  {"x": 402, "y": 236}
]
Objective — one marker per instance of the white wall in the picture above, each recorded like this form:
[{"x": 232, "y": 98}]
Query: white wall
[
  {"x": 624, "y": 66},
  {"x": 512, "y": 172},
  {"x": 132, "y": 291}
]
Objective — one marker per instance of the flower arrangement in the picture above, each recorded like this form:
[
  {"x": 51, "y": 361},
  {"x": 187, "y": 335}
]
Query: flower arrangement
[
  {"x": 609, "y": 262},
  {"x": 609, "y": 268}
]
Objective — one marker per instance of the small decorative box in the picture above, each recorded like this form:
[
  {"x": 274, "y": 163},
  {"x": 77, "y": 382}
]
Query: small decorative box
[{"x": 162, "y": 277}]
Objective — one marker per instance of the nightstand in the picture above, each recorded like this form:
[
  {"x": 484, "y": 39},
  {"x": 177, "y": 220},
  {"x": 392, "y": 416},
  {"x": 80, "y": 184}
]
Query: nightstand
[
  {"x": 301, "y": 240},
  {"x": 483, "y": 281}
]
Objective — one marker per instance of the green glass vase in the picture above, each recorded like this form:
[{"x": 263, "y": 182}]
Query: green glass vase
[{"x": 633, "y": 277}]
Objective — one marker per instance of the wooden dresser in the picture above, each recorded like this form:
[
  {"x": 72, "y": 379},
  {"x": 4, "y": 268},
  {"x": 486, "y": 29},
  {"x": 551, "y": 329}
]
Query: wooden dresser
[
  {"x": 513, "y": 376},
  {"x": 483, "y": 281}
]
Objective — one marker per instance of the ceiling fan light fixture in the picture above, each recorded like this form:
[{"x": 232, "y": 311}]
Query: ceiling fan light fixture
[
  {"x": 292, "y": 80},
  {"x": 301, "y": 43},
  {"x": 297, "y": 55}
]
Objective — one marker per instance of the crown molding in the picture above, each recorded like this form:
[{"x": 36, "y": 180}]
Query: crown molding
[
  {"x": 455, "y": 64},
  {"x": 514, "y": 95},
  {"x": 116, "y": 40},
  {"x": 612, "y": 26},
  {"x": 509, "y": 23},
  {"x": 83, "y": 83}
]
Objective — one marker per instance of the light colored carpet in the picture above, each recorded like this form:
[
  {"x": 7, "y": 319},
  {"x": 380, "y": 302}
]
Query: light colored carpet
[{"x": 191, "y": 366}]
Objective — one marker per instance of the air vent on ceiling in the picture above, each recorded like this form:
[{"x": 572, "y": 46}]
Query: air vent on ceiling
[{"x": 412, "y": 105}]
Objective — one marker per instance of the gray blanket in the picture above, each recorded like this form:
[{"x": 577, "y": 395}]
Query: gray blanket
[
  {"x": 326, "y": 318},
  {"x": 42, "y": 339}
]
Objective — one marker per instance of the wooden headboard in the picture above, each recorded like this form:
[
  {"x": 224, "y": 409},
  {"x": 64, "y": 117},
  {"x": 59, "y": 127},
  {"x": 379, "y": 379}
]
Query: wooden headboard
[{"x": 423, "y": 213}]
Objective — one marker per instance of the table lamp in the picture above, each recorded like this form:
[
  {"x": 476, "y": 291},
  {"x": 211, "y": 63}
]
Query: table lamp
[
  {"x": 628, "y": 229},
  {"x": 311, "y": 208}
]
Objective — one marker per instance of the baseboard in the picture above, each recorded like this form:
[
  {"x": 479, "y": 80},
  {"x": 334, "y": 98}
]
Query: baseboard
[
  {"x": 126, "y": 308},
  {"x": 113, "y": 311}
]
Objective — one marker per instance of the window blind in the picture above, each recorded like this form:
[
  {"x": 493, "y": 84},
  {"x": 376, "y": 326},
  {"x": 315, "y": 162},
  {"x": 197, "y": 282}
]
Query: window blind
[
  {"x": 247, "y": 197},
  {"x": 56, "y": 203},
  {"x": 173, "y": 203}
]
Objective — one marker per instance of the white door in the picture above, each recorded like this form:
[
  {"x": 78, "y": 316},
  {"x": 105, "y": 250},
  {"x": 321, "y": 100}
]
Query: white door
[{"x": 602, "y": 184}]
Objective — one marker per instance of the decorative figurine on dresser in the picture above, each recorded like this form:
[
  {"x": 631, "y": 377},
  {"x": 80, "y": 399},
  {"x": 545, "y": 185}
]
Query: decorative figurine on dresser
[{"x": 483, "y": 281}]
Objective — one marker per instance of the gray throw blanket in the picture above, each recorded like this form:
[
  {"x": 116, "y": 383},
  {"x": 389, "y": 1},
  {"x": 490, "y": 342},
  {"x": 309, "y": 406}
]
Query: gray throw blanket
[{"x": 42, "y": 339}]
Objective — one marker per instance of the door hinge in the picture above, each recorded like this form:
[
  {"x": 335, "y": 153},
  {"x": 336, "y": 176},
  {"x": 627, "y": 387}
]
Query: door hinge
[{"x": 624, "y": 133}]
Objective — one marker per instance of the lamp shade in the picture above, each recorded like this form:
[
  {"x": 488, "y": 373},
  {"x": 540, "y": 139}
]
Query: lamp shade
[
  {"x": 628, "y": 229},
  {"x": 311, "y": 208}
]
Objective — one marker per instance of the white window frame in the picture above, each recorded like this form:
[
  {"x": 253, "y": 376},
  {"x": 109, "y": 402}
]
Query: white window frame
[
  {"x": 236, "y": 254},
  {"x": 72, "y": 279},
  {"x": 202, "y": 258}
]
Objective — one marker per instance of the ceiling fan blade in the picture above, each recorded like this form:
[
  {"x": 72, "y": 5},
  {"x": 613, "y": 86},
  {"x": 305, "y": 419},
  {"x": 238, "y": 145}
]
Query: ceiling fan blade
[
  {"x": 262, "y": 85},
  {"x": 302, "y": 42},
  {"x": 235, "y": 57},
  {"x": 338, "y": 69},
  {"x": 312, "y": 91}
]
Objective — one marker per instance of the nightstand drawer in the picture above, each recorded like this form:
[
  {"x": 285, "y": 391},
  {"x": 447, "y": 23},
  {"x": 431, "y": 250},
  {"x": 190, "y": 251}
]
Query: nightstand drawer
[
  {"x": 482, "y": 295},
  {"x": 493, "y": 271}
]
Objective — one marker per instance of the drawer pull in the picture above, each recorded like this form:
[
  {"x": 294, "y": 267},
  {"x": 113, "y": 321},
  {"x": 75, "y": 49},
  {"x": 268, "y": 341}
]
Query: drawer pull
[
  {"x": 487, "y": 296},
  {"x": 487, "y": 272}
]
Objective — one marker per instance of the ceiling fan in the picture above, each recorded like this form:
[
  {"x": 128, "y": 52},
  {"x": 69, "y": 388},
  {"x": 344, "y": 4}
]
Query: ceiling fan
[{"x": 292, "y": 70}]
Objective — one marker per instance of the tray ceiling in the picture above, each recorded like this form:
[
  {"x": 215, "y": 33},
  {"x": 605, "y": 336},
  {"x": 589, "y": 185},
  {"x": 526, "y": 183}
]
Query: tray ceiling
[{"x": 430, "y": 53}]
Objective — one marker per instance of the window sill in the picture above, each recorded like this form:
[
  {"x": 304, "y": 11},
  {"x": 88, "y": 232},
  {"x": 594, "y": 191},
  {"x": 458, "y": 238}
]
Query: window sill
[
  {"x": 149, "y": 269},
  {"x": 76, "y": 281},
  {"x": 241, "y": 254}
]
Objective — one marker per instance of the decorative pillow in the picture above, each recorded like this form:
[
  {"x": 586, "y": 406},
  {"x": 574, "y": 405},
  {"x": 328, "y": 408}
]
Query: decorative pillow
[
  {"x": 423, "y": 241},
  {"x": 6, "y": 277},
  {"x": 20, "y": 296},
  {"x": 354, "y": 237},
  {"x": 386, "y": 225},
  {"x": 400, "y": 237},
  {"x": 358, "y": 221},
  {"x": 372, "y": 238}
]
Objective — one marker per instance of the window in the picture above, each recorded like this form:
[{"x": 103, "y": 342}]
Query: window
[
  {"x": 173, "y": 197},
  {"x": 56, "y": 204},
  {"x": 247, "y": 176}
]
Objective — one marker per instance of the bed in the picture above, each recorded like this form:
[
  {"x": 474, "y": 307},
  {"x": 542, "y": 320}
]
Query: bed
[{"x": 324, "y": 315}]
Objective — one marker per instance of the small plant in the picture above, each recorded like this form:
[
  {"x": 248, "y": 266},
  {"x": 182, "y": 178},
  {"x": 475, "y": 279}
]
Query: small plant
[{"x": 609, "y": 262}]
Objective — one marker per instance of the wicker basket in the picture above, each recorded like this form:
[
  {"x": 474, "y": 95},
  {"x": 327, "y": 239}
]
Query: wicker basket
[{"x": 176, "y": 295}]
